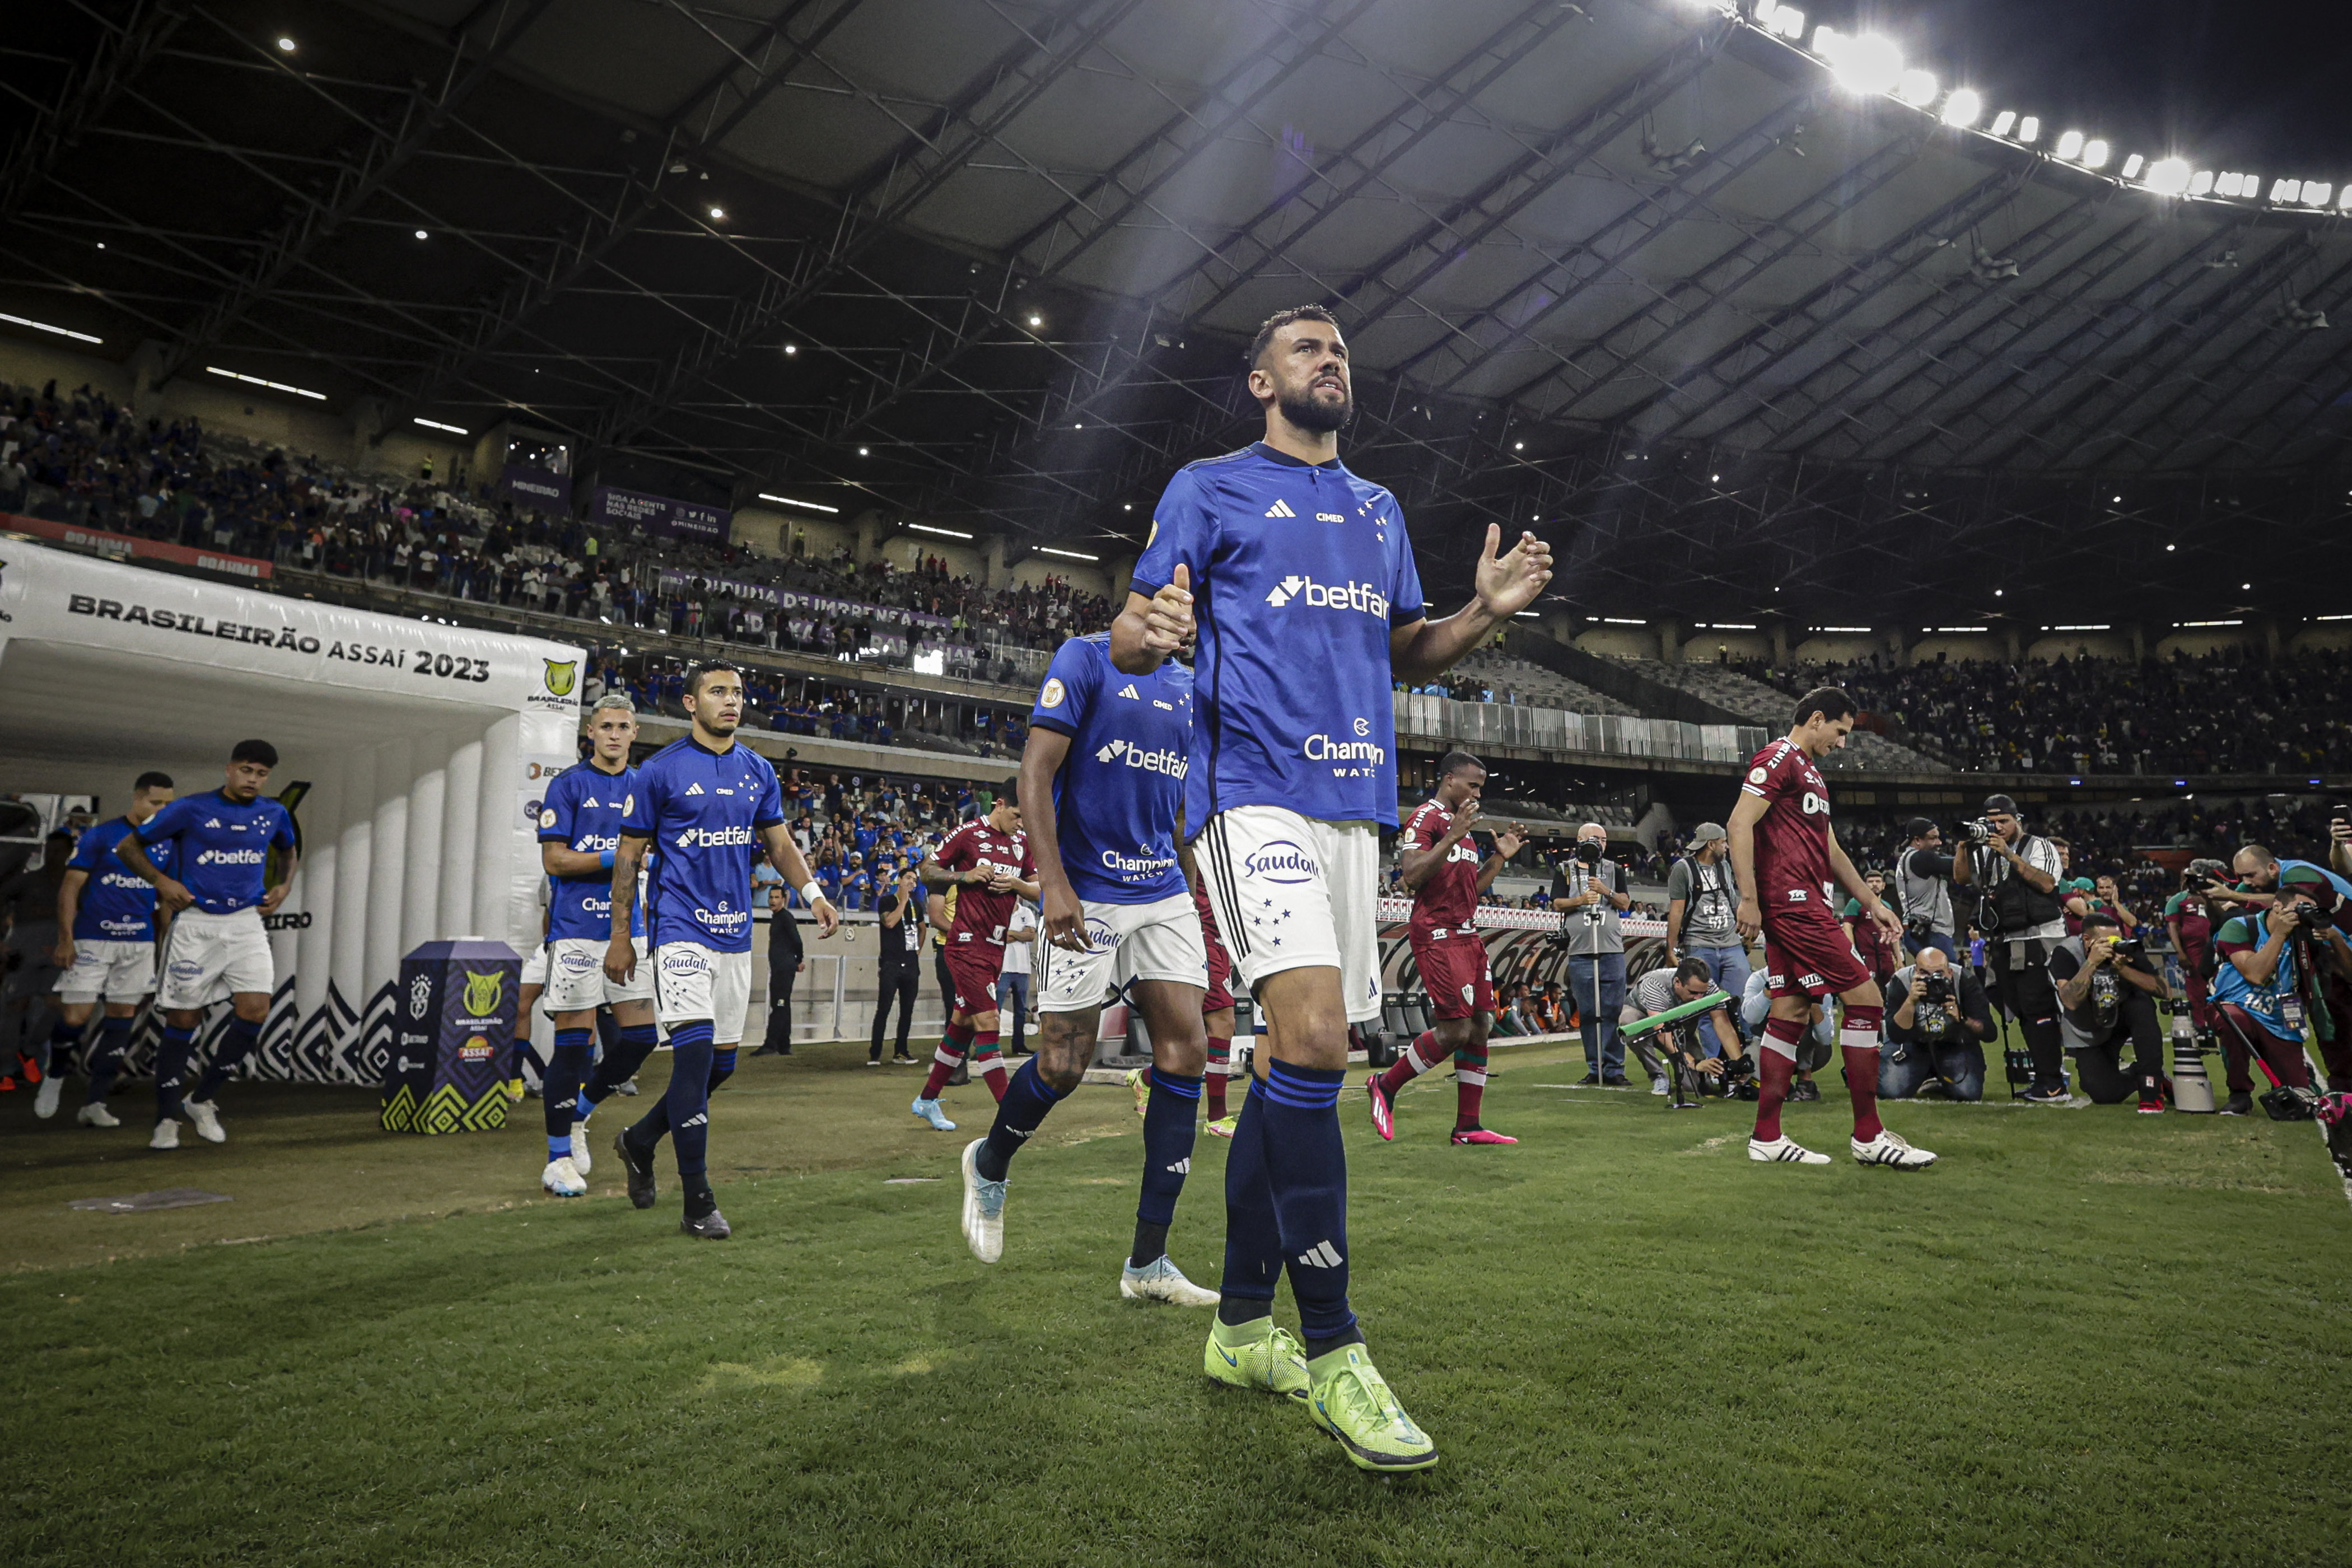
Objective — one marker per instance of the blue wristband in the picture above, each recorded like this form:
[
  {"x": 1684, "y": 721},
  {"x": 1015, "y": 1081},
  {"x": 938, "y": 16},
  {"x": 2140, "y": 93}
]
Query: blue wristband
[{"x": 605, "y": 859}]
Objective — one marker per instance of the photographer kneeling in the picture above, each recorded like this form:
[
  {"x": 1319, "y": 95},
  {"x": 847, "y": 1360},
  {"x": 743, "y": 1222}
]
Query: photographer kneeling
[
  {"x": 1716, "y": 1065},
  {"x": 1938, "y": 1021},
  {"x": 2107, "y": 992},
  {"x": 2022, "y": 922},
  {"x": 2264, "y": 986}
]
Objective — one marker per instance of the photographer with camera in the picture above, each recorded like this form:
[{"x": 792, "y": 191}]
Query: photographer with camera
[
  {"x": 2264, "y": 878},
  {"x": 1937, "y": 1022},
  {"x": 1591, "y": 895},
  {"x": 1704, "y": 1046},
  {"x": 2264, "y": 988},
  {"x": 1702, "y": 909},
  {"x": 2106, "y": 994},
  {"x": 2016, "y": 874},
  {"x": 2189, "y": 918},
  {"x": 1923, "y": 888}
]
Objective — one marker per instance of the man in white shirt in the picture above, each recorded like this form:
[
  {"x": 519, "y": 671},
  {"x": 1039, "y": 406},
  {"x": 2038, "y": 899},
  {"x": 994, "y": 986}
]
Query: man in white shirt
[{"x": 1013, "y": 981}]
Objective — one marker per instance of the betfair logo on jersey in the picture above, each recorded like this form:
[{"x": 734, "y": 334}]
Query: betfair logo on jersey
[
  {"x": 231, "y": 858},
  {"x": 1361, "y": 597},
  {"x": 712, "y": 837},
  {"x": 1160, "y": 761}
]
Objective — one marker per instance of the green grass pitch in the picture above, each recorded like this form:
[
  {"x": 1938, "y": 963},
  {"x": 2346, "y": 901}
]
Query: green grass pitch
[{"x": 2086, "y": 1337}]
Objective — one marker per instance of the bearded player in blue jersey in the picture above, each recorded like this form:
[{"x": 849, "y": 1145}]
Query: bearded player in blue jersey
[
  {"x": 106, "y": 950},
  {"x": 579, "y": 842},
  {"x": 1299, "y": 580},
  {"x": 704, "y": 804},
  {"x": 1102, "y": 782},
  {"x": 217, "y": 948}
]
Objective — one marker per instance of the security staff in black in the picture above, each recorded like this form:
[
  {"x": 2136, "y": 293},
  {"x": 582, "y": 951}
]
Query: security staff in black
[
  {"x": 2107, "y": 997},
  {"x": 786, "y": 959},
  {"x": 899, "y": 966},
  {"x": 2023, "y": 924}
]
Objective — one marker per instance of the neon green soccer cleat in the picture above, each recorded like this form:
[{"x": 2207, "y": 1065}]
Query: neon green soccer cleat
[
  {"x": 1352, "y": 1401},
  {"x": 1255, "y": 1355},
  {"x": 1138, "y": 1083}
]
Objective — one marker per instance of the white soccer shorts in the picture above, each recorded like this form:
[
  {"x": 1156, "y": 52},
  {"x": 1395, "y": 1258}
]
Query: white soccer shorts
[
  {"x": 118, "y": 971},
  {"x": 692, "y": 981},
  {"x": 576, "y": 981},
  {"x": 1291, "y": 893},
  {"x": 1159, "y": 940},
  {"x": 210, "y": 958},
  {"x": 534, "y": 968}
]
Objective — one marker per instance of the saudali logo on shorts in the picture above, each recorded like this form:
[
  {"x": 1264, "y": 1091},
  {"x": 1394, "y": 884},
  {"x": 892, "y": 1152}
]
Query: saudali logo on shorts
[
  {"x": 1279, "y": 860},
  {"x": 482, "y": 990},
  {"x": 562, "y": 675}
]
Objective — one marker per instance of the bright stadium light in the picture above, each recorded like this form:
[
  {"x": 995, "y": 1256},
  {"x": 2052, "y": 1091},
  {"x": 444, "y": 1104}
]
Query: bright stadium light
[
  {"x": 420, "y": 233},
  {"x": 787, "y": 500},
  {"x": 2201, "y": 184},
  {"x": 1789, "y": 22},
  {"x": 45, "y": 327},
  {"x": 436, "y": 424},
  {"x": 286, "y": 46},
  {"x": 2095, "y": 154},
  {"x": 1962, "y": 107},
  {"x": 2285, "y": 190},
  {"x": 273, "y": 385},
  {"x": 2029, "y": 128},
  {"x": 1868, "y": 62},
  {"x": 943, "y": 533},
  {"x": 2070, "y": 145},
  {"x": 2004, "y": 122},
  {"x": 2170, "y": 176},
  {"x": 2315, "y": 193},
  {"x": 1068, "y": 555},
  {"x": 1917, "y": 87},
  {"x": 2132, "y": 167}
]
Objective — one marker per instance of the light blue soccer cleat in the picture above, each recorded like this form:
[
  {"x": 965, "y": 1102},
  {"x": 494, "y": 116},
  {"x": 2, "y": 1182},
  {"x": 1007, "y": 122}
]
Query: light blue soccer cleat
[
  {"x": 983, "y": 1207},
  {"x": 928, "y": 1110}
]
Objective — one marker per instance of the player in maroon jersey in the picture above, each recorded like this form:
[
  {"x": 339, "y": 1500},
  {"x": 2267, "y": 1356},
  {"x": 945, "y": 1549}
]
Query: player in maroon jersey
[
  {"x": 1216, "y": 1007},
  {"x": 988, "y": 861},
  {"x": 1442, "y": 866},
  {"x": 1788, "y": 862}
]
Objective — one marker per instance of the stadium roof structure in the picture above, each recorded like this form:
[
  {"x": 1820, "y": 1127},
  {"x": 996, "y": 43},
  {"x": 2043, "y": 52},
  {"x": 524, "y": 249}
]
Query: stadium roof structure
[{"x": 1723, "y": 315}]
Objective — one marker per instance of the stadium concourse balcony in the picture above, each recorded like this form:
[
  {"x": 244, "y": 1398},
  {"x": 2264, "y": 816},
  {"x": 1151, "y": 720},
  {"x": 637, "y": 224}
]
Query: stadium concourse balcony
[
  {"x": 1500, "y": 726},
  {"x": 1768, "y": 705}
]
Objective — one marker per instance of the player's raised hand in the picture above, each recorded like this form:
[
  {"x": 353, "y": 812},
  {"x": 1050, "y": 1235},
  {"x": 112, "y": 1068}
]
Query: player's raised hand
[
  {"x": 1508, "y": 842},
  {"x": 1168, "y": 623},
  {"x": 1509, "y": 583}
]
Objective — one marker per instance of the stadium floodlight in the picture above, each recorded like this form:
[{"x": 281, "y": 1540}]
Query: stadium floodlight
[
  {"x": 2332, "y": 617},
  {"x": 273, "y": 385},
  {"x": 1956, "y": 631},
  {"x": 1069, "y": 554},
  {"x": 2004, "y": 122},
  {"x": 1850, "y": 630},
  {"x": 944, "y": 533},
  {"x": 1917, "y": 87},
  {"x": 2315, "y": 193},
  {"x": 1036, "y": 321},
  {"x": 792, "y": 348},
  {"x": 1618, "y": 621},
  {"x": 2229, "y": 183},
  {"x": 716, "y": 213},
  {"x": 1867, "y": 62},
  {"x": 2070, "y": 145},
  {"x": 787, "y": 500},
  {"x": 1962, "y": 107},
  {"x": 2285, "y": 190},
  {"x": 2170, "y": 176},
  {"x": 436, "y": 424},
  {"x": 2132, "y": 167},
  {"x": 2209, "y": 623},
  {"x": 1789, "y": 23},
  {"x": 2078, "y": 628},
  {"x": 45, "y": 327},
  {"x": 2201, "y": 184},
  {"x": 864, "y": 452},
  {"x": 420, "y": 233},
  {"x": 285, "y": 46},
  {"x": 2029, "y": 128},
  {"x": 2095, "y": 154}
]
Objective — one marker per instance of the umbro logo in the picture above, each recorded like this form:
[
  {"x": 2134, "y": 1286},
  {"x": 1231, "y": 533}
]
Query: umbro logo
[
  {"x": 1322, "y": 1255},
  {"x": 694, "y": 789},
  {"x": 1129, "y": 692},
  {"x": 1280, "y": 509}
]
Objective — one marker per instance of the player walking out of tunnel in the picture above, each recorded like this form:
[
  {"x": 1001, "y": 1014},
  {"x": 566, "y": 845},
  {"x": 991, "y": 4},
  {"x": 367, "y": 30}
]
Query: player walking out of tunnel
[
  {"x": 1787, "y": 860},
  {"x": 1103, "y": 774},
  {"x": 1442, "y": 866},
  {"x": 107, "y": 921},
  {"x": 1299, "y": 581},
  {"x": 217, "y": 948},
  {"x": 704, "y": 804},
  {"x": 989, "y": 864}
]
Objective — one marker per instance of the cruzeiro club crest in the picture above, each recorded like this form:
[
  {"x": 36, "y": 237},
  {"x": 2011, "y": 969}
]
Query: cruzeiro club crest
[
  {"x": 562, "y": 674},
  {"x": 482, "y": 990}
]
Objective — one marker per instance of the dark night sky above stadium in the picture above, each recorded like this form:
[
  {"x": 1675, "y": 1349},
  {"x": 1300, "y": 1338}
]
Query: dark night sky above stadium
[{"x": 2224, "y": 83}]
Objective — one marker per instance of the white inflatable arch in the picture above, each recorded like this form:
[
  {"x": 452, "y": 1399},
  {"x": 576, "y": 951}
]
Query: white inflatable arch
[{"x": 425, "y": 748}]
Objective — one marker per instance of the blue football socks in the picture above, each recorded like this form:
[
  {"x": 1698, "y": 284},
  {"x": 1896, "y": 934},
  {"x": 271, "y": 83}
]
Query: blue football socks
[{"x": 1026, "y": 1101}]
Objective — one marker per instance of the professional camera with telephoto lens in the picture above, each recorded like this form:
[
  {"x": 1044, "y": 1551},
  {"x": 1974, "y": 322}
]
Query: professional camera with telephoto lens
[
  {"x": 1977, "y": 830},
  {"x": 1738, "y": 1080},
  {"x": 2130, "y": 947},
  {"x": 1929, "y": 1021},
  {"x": 1589, "y": 851}
]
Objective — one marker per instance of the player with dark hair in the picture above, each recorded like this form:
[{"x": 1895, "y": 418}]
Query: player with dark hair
[
  {"x": 106, "y": 927},
  {"x": 1299, "y": 581},
  {"x": 1103, "y": 776},
  {"x": 1438, "y": 861},
  {"x": 704, "y": 804},
  {"x": 1789, "y": 864},
  {"x": 216, "y": 947},
  {"x": 987, "y": 863}
]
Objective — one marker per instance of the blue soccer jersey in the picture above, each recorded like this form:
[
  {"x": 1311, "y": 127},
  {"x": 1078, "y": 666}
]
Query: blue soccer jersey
[
  {"x": 703, "y": 810},
  {"x": 221, "y": 848},
  {"x": 1115, "y": 796},
  {"x": 583, "y": 810},
  {"x": 116, "y": 905},
  {"x": 1299, "y": 570}
]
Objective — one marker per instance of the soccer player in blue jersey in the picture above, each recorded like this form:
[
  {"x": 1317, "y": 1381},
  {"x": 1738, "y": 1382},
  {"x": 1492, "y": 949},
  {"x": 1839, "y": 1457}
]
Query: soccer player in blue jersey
[
  {"x": 703, "y": 804},
  {"x": 106, "y": 950},
  {"x": 216, "y": 947},
  {"x": 1103, "y": 776},
  {"x": 579, "y": 841},
  {"x": 1299, "y": 580}
]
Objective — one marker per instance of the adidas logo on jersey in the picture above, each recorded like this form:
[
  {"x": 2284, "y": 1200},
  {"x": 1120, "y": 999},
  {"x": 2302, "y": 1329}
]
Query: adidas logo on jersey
[
  {"x": 1322, "y": 1255},
  {"x": 1280, "y": 509},
  {"x": 212, "y": 822},
  {"x": 1129, "y": 692},
  {"x": 694, "y": 789}
]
